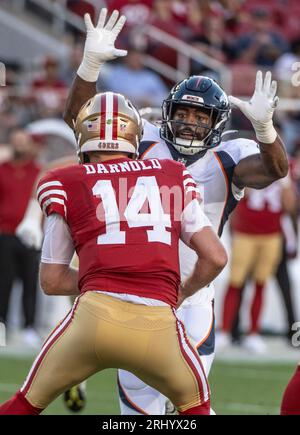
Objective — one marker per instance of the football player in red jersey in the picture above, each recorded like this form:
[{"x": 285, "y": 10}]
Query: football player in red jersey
[
  {"x": 124, "y": 218},
  {"x": 257, "y": 231}
]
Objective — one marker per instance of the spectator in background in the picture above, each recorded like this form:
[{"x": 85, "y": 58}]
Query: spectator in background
[
  {"x": 137, "y": 11},
  {"x": 256, "y": 254},
  {"x": 68, "y": 71},
  {"x": 261, "y": 45},
  {"x": 16, "y": 108},
  {"x": 163, "y": 18},
  {"x": 191, "y": 15},
  {"x": 17, "y": 178},
  {"x": 235, "y": 16},
  {"x": 49, "y": 91},
  {"x": 137, "y": 15},
  {"x": 283, "y": 70},
  {"x": 288, "y": 88},
  {"x": 130, "y": 78},
  {"x": 212, "y": 41},
  {"x": 81, "y": 7}
]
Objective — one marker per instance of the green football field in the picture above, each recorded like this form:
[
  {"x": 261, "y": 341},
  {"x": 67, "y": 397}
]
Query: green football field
[{"x": 237, "y": 388}]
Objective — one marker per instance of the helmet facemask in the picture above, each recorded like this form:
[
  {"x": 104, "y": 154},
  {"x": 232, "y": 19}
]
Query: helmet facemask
[{"x": 203, "y": 135}]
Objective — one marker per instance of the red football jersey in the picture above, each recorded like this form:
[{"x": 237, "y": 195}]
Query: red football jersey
[
  {"x": 124, "y": 224},
  {"x": 260, "y": 211}
]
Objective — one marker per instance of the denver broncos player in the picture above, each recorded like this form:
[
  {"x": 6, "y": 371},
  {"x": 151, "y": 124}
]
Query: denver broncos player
[
  {"x": 124, "y": 218},
  {"x": 194, "y": 118}
]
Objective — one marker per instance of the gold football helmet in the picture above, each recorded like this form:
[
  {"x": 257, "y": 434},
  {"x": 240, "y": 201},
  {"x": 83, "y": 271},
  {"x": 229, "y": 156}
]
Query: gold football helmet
[{"x": 108, "y": 122}]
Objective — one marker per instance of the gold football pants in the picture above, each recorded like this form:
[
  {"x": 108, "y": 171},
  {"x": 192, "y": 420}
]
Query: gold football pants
[
  {"x": 254, "y": 256},
  {"x": 103, "y": 332}
]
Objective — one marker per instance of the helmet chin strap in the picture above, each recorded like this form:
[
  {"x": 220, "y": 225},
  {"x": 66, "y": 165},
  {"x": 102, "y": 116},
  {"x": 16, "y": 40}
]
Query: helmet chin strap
[
  {"x": 190, "y": 147},
  {"x": 187, "y": 142}
]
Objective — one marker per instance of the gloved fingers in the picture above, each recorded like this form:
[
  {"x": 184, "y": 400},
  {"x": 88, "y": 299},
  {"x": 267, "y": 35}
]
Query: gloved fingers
[
  {"x": 275, "y": 102},
  {"x": 267, "y": 83},
  {"x": 273, "y": 89},
  {"x": 119, "y": 25},
  {"x": 258, "y": 82},
  {"x": 119, "y": 53},
  {"x": 88, "y": 22},
  {"x": 112, "y": 20},
  {"x": 102, "y": 18}
]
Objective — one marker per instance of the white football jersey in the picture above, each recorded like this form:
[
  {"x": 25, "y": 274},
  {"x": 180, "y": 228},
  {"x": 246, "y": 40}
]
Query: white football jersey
[{"x": 213, "y": 173}]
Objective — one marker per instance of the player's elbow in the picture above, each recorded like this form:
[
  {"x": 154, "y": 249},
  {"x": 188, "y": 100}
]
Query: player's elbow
[
  {"x": 209, "y": 249},
  {"x": 281, "y": 171},
  {"x": 50, "y": 279},
  {"x": 285, "y": 170},
  {"x": 219, "y": 258},
  {"x": 48, "y": 288},
  {"x": 48, "y": 285}
]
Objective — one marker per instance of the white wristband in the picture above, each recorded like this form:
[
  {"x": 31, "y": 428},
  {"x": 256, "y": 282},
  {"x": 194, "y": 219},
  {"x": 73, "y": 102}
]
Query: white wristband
[
  {"x": 89, "y": 68},
  {"x": 265, "y": 133}
]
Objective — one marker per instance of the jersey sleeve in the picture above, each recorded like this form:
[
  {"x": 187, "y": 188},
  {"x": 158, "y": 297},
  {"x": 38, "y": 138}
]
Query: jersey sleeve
[
  {"x": 58, "y": 247},
  {"x": 241, "y": 148},
  {"x": 51, "y": 195},
  {"x": 237, "y": 150},
  {"x": 190, "y": 188},
  {"x": 193, "y": 220}
]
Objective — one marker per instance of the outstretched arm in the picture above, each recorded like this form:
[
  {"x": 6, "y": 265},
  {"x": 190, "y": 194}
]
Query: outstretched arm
[
  {"x": 260, "y": 170},
  {"x": 80, "y": 92},
  {"x": 99, "y": 47}
]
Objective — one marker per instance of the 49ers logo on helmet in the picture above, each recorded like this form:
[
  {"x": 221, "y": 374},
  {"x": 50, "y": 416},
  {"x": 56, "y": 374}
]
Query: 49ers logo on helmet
[
  {"x": 108, "y": 122},
  {"x": 108, "y": 145}
]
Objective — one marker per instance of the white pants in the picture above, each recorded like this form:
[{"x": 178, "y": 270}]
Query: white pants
[{"x": 135, "y": 397}]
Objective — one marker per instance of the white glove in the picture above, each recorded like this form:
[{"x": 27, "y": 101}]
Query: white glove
[
  {"x": 29, "y": 230},
  {"x": 99, "y": 44},
  {"x": 259, "y": 110}
]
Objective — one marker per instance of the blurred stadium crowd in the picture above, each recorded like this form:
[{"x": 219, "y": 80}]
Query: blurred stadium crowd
[{"x": 243, "y": 35}]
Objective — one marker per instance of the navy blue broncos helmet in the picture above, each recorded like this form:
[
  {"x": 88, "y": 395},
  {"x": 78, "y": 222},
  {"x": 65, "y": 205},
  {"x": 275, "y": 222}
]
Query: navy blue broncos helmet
[{"x": 205, "y": 94}]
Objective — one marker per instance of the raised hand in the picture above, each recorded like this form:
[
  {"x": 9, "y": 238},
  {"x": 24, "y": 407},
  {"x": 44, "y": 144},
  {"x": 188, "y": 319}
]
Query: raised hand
[
  {"x": 100, "y": 43},
  {"x": 260, "y": 108}
]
